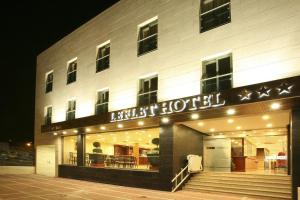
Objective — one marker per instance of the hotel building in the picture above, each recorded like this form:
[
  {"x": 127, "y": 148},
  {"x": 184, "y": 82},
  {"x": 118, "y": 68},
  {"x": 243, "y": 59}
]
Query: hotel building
[{"x": 127, "y": 96}]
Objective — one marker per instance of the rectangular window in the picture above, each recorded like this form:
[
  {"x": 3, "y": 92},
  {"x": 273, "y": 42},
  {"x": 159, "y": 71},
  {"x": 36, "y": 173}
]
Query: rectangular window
[
  {"x": 148, "y": 91},
  {"x": 71, "y": 110},
  {"x": 49, "y": 82},
  {"x": 217, "y": 74},
  {"x": 70, "y": 150},
  {"x": 147, "y": 38},
  {"x": 48, "y": 115},
  {"x": 102, "y": 102},
  {"x": 133, "y": 149},
  {"x": 102, "y": 60},
  {"x": 214, "y": 13},
  {"x": 71, "y": 73}
]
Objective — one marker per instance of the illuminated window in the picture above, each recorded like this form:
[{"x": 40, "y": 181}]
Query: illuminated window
[
  {"x": 102, "y": 60},
  {"x": 71, "y": 110},
  {"x": 70, "y": 150},
  {"x": 217, "y": 74},
  {"x": 102, "y": 102},
  {"x": 148, "y": 91},
  {"x": 147, "y": 39},
  {"x": 214, "y": 13},
  {"x": 71, "y": 74},
  {"x": 49, "y": 82},
  {"x": 48, "y": 115}
]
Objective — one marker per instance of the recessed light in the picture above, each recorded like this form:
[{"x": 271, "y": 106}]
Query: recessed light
[
  {"x": 64, "y": 132},
  {"x": 54, "y": 133},
  {"x": 200, "y": 124},
  {"x": 102, "y": 127},
  {"x": 265, "y": 117},
  {"x": 165, "y": 120},
  {"x": 140, "y": 123},
  {"x": 230, "y": 121},
  {"x": 120, "y": 126},
  {"x": 238, "y": 128},
  {"x": 212, "y": 130},
  {"x": 275, "y": 106},
  {"x": 75, "y": 131},
  {"x": 230, "y": 111},
  {"x": 87, "y": 129},
  {"x": 269, "y": 125},
  {"x": 195, "y": 116}
]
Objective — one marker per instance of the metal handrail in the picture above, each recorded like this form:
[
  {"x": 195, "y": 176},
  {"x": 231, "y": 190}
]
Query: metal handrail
[{"x": 182, "y": 179}]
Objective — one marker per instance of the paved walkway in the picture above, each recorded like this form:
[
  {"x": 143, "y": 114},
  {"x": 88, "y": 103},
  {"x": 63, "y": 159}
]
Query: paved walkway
[{"x": 36, "y": 187}]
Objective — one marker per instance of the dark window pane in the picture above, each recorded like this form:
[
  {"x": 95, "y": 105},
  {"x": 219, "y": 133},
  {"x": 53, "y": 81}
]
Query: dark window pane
[
  {"x": 210, "y": 70},
  {"x": 225, "y": 83},
  {"x": 224, "y": 66},
  {"x": 102, "y": 64},
  {"x": 153, "y": 84},
  {"x": 147, "y": 45},
  {"x": 153, "y": 97},
  {"x": 146, "y": 86},
  {"x": 209, "y": 86}
]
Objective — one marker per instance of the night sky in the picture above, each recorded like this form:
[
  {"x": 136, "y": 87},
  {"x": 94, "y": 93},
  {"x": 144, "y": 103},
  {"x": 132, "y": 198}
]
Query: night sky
[{"x": 28, "y": 28}]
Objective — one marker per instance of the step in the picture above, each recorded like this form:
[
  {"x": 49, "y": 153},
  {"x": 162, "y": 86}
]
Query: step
[
  {"x": 242, "y": 183},
  {"x": 246, "y": 179},
  {"x": 248, "y": 193},
  {"x": 242, "y": 187},
  {"x": 263, "y": 176}
]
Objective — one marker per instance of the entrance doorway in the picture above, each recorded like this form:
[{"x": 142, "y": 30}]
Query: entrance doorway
[
  {"x": 45, "y": 160},
  {"x": 252, "y": 144}
]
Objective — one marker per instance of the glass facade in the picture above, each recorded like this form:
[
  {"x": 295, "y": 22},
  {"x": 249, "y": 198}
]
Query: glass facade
[
  {"x": 70, "y": 150},
  {"x": 137, "y": 149}
]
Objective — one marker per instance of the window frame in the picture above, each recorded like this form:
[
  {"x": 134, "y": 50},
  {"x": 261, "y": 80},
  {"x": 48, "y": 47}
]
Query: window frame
[
  {"x": 68, "y": 111},
  {"x": 142, "y": 81},
  {"x": 47, "y": 116},
  {"x": 49, "y": 82},
  {"x": 148, "y": 23},
  {"x": 210, "y": 11},
  {"x": 217, "y": 77},
  {"x": 100, "y": 92},
  {"x": 73, "y": 70},
  {"x": 103, "y": 45}
]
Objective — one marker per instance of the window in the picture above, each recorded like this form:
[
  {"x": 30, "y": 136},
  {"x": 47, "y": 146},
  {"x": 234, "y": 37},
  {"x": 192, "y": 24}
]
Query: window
[
  {"x": 102, "y": 102},
  {"x": 48, "y": 115},
  {"x": 217, "y": 74},
  {"x": 71, "y": 110},
  {"x": 102, "y": 60},
  {"x": 147, "y": 38},
  {"x": 148, "y": 91},
  {"x": 71, "y": 74},
  {"x": 214, "y": 13},
  {"x": 70, "y": 150},
  {"x": 132, "y": 149},
  {"x": 49, "y": 82}
]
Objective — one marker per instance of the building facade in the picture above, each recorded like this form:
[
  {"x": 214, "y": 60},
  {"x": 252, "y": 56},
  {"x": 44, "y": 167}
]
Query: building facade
[{"x": 127, "y": 96}]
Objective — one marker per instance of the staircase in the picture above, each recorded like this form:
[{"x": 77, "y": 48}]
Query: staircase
[{"x": 252, "y": 185}]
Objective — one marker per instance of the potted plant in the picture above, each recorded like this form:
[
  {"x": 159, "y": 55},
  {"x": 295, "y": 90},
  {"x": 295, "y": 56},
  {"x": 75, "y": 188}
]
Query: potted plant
[
  {"x": 153, "y": 155},
  {"x": 97, "y": 148}
]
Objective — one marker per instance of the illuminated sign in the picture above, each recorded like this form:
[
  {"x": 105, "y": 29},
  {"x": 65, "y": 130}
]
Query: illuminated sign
[{"x": 174, "y": 106}]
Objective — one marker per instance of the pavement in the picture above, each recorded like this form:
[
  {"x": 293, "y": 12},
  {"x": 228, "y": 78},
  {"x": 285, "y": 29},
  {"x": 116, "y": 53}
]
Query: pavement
[{"x": 37, "y": 187}]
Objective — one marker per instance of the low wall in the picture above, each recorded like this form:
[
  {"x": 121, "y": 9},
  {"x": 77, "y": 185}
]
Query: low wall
[{"x": 17, "y": 169}]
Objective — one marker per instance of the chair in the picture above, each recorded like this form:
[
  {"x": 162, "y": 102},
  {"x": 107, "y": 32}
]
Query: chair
[{"x": 72, "y": 158}]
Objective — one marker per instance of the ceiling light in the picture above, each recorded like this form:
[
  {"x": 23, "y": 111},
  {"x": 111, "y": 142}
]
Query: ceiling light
[
  {"x": 230, "y": 111},
  {"x": 120, "y": 126},
  {"x": 140, "y": 123},
  {"x": 54, "y": 133},
  {"x": 230, "y": 121},
  {"x": 212, "y": 130},
  {"x": 200, "y": 124},
  {"x": 238, "y": 128},
  {"x": 102, "y": 127},
  {"x": 265, "y": 117},
  {"x": 195, "y": 116},
  {"x": 275, "y": 106},
  {"x": 64, "y": 132},
  {"x": 165, "y": 120},
  {"x": 75, "y": 131},
  {"x": 87, "y": 129},
  {"x": 269, "y": 125}
]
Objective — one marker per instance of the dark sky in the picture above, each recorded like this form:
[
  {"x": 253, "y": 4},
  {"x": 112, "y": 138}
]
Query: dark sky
[{"x": 28, "y": 28}]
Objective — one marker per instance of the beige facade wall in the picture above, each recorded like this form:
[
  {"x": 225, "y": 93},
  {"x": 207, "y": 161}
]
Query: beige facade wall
[
  {"x": 17, "y": 169},
  {"x": 263, "y": 37}
]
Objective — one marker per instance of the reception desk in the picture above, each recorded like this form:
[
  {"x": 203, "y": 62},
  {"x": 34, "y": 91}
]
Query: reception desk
[{"x": 244, "y": 163}]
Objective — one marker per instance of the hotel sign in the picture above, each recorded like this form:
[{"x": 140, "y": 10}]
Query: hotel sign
[{"x": 194, "y": 103}]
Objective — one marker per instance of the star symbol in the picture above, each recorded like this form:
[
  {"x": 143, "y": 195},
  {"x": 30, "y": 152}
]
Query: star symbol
[
  {"x": 284, "y": 88},
  {"x": 264, "y": 91},
  {"x": 245, "y": 95}
]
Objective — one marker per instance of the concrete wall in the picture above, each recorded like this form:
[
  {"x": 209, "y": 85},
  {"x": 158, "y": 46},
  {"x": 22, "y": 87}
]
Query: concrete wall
[
  {"x": 17, "y": 169},
  {"x": 263, "y": 37}
]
